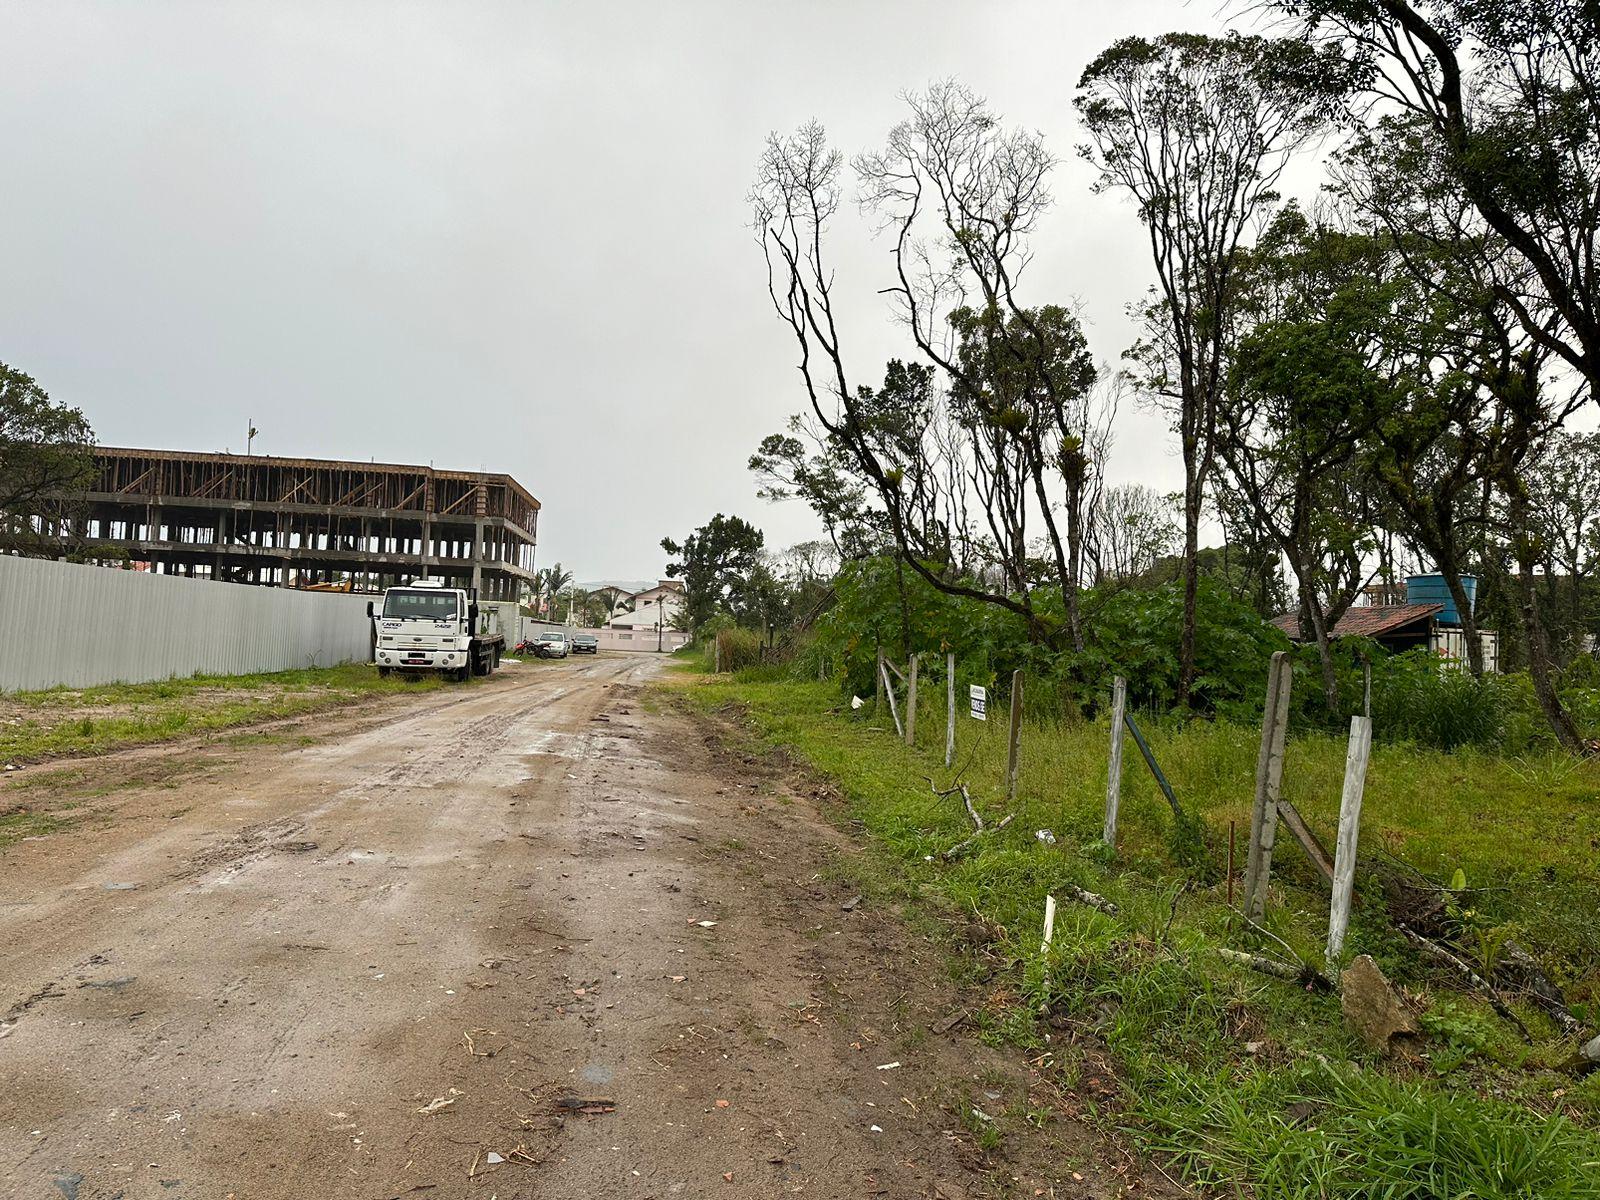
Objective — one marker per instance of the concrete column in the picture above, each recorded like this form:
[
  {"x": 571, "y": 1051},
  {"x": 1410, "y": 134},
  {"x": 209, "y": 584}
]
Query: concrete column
[
  {"x": 477, "y": 554},
  {"x": 222, "y": 542}
]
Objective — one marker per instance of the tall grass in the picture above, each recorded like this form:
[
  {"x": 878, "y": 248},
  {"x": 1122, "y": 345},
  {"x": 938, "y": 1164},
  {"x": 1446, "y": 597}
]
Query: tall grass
[
  {"x": 1313, "y": 1116},
  {"x": 1320, "y": 1132}
]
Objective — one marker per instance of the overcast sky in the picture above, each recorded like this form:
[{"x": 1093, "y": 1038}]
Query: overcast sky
[{"x": 510, "y": 237}]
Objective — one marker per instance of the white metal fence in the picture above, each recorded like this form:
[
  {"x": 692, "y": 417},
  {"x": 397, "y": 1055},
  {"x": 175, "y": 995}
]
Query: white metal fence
[{"x": 62, "y": 623}]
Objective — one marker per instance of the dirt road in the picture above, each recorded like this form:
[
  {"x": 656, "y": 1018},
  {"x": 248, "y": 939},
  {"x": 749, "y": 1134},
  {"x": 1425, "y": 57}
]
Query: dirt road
[{"x": 542, "y": 938}]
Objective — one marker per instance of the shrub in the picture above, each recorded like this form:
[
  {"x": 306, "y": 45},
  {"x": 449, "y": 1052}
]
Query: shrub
[
  {"x": 1135, "y": 633},
  {"x": 738, "y": 648},
  {"x": 1416, "y": 698},
  {"x": 1127, "y": 631}
]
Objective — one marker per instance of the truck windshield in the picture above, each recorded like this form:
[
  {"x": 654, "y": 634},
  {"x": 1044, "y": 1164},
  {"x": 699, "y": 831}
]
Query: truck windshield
[{"x": 424, "y": 606}]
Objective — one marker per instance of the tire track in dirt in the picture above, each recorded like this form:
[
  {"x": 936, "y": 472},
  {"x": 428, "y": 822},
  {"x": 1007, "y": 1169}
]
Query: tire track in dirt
[{"x": 492, "y": 906}]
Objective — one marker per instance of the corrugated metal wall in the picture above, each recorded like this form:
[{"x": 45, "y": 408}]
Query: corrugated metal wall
[{"x": 62, "y": 623}]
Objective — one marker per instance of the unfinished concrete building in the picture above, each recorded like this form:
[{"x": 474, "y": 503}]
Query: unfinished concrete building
[{"x": 299, "y": 522}]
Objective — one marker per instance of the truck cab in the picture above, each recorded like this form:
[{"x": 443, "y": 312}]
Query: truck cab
[{"x": 426, "y": 626}]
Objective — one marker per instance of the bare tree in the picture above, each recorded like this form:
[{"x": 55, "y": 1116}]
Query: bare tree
[
  {"x": 1009, "y": 450},
  {"x": 1133, "y": 528},
  {"x": 1198, "y": 130}
]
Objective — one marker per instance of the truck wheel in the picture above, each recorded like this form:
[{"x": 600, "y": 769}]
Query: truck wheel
[
  {"x": 383, "y": 672},
  {"x": 462, "y": 674}
]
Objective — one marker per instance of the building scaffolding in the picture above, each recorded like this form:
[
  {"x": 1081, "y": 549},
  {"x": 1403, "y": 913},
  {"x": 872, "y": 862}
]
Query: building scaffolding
[{"x": 295, "y": 522}]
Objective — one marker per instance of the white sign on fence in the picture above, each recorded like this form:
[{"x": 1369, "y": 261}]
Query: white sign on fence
[{"x": 980, "y": 702}]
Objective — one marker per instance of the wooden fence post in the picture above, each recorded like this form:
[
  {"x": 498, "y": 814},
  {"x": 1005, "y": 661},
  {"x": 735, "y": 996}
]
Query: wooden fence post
[
  {"x": 950, "y": 709},
  {"x": 1014, "y": 748},
  {"x": 1119, "y": 706},
  {"x": 1269, "y": 783},
  {"x": 1344, "y": 855},
  {"x": 911, "y": 704},
  {"x": 877, "y": 685}
]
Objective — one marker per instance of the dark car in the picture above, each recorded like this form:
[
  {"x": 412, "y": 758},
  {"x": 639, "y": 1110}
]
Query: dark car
[{"x": 585, "y": 643}]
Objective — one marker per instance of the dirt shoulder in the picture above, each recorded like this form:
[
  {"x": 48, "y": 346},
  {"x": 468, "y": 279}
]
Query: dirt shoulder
[
  {"x": 63, "y": 722},
  {"x": 549, "y": 939}
]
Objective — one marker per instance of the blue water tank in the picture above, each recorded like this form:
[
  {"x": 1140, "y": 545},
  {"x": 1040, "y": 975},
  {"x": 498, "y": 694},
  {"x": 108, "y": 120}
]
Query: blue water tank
[{"x": 1432, "y": 589}]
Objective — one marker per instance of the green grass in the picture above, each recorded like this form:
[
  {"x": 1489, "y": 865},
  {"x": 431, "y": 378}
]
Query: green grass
[
  {"x": 25, "y": 822},
  {"x": 73, "y": 721},
  {"x": 1310, "y": 1113}
]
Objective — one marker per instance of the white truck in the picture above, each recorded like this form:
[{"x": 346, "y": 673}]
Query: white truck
[{"x": 426, "y": 626}]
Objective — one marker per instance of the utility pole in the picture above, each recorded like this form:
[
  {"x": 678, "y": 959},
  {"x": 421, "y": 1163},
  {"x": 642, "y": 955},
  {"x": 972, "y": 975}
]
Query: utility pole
[{"x": 250, "y": 434}]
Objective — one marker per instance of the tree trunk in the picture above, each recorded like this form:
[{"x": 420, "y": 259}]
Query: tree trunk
[
  {"x": 1191, "y": 590},
  {"x": 1538, "y": 644},
  {"x": 1314, "y": 622},
  {"x": 905, "y": 607},
  {"x": 1072, "y": 584},
  {"x": 1469, "y": 618}
]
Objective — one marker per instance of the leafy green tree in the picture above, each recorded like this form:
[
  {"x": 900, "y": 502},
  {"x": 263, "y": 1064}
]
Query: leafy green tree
[
  {"x": 1308, "y": 384},
  {"x": 1198, "y": 131},
  {"x": 1503, "y": 101},
  {"x": 46, "y": 453},
  {"x": 1564, "y": 482},
  {"x": 814, "y": 466},
  {"x": 715, "y": 563},
  {"x": 1504, "y": 335},
  {"x": 1021, "y": 386}
]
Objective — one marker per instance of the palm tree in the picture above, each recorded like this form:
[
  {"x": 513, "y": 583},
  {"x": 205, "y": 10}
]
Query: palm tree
[{"x": 547, "y": 583}]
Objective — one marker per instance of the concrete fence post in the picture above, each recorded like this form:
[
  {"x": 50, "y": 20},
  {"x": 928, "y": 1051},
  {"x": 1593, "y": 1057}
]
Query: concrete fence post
[
  {"x": 1014, "y": 739},
  {"x": 1344, "y": 857},
  {"x": 1269, "y": 784},
  {"x": 911, "y": 703},
  {"x": 950, "y": 709},
  {"x": 1119, "y": 707}
]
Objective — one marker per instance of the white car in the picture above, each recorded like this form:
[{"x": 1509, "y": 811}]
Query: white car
[{"x": 552, "y": 643}]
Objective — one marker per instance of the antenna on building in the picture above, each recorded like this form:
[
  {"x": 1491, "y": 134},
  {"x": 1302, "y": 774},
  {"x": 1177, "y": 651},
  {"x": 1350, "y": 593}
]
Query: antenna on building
[{"x": 250, "y": 435}]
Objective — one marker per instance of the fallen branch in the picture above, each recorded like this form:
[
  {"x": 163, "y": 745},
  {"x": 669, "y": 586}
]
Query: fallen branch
[
  {"x": 972, "y": 810},
  {"x": 1267, "y": 933},
  {"x": 1542, "y": 990},
  {"x": 1092, "y": 899},
  {"x": 1462, "y": 968},
  {"x": 1304, "y": 974},
  {"x": 961, "y": 848}
]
